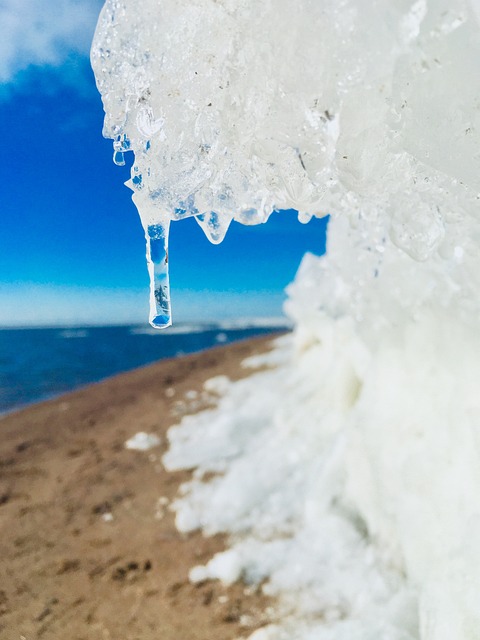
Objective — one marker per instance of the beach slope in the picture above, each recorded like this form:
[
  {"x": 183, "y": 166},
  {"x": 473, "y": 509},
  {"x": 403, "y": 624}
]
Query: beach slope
[{"x": 88, "y": 546}]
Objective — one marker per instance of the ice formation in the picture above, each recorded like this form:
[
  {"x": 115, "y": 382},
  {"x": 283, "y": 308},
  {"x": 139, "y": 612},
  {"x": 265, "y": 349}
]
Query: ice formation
[
  {"x": 351, "y": 474},
  {"x": 348, "y": 476},
  {"x": 142, "y": 441}
]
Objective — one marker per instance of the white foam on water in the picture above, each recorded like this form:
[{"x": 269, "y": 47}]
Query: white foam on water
[
  {"x": 250, "y": 323},
  {"x": 348, "y": 473},
  {"x": 225, "y": 325},
  {"x": 187, "y": 329},
  {"x": 74, "y": 333}
]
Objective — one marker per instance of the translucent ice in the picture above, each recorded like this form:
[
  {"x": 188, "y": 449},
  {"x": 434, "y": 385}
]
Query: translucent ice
[
  {"x": 235, "y": 108},
  {"x": 157, "y": 260}
]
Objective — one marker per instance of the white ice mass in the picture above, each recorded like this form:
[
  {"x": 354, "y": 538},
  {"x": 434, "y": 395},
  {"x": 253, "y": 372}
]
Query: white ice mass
[
  {"x": 349, "y": 473},
  {"x": 142, "y": 441}
]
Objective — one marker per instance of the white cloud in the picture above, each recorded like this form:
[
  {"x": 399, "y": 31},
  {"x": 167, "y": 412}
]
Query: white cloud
[{"x": 44, "y": 32}]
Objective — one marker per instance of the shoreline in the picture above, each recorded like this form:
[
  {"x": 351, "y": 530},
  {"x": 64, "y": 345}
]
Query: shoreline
[
  {"x": 88, "y": 545},
  {"x": 24, "y": 385}
]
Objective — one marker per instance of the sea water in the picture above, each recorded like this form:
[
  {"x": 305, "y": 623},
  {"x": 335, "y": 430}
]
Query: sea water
[{"x": 36, "y": 364}]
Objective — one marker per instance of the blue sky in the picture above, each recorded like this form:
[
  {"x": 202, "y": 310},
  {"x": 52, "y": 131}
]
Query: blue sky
[{"x": 71, "y": 244}]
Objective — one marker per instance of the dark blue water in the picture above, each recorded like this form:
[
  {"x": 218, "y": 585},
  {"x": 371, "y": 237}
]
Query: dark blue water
[{"x": 36, "y": 364}]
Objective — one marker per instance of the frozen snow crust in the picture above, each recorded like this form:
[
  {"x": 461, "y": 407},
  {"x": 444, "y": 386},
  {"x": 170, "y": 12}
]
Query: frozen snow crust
[{"x": 349, "y": 473}]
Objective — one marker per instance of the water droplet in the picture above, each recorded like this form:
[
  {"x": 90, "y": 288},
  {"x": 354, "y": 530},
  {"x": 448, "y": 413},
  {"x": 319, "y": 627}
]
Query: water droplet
[
  {"x": 214, "y": 226},
  {"x": 304, "y": 217}
]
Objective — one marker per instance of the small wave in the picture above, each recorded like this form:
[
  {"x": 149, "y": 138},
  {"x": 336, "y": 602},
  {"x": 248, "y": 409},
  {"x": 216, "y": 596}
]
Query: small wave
[
  {"x": 175, "y": 330},
  {"x": 189, "y": 328},
  {"x": 237, "y": 324},
  {"x": 255, "y": 323},
  {"x": 74, "y": 333},
  {"x": 145, "y": 331}
]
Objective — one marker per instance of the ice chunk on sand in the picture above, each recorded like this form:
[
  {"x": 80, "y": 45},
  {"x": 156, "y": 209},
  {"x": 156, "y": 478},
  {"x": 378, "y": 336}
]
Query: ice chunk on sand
[{"x": 142, "y": 441}]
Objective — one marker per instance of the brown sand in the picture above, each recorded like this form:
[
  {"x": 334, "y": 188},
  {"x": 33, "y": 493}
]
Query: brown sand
[{"x": 67, "y": 570}]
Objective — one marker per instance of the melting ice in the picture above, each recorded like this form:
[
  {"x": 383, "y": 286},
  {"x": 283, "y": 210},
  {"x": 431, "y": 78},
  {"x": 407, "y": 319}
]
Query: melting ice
[
  {"x": 368, "y": 111},
  {"x": 365, "y": 110}
]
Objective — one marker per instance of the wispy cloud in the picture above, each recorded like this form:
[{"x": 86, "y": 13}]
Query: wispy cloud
[{"x": 44, "y": 32}]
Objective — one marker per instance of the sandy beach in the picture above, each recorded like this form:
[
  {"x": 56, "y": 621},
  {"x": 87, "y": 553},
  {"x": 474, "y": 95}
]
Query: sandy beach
[{"x": 88, "y": 546}]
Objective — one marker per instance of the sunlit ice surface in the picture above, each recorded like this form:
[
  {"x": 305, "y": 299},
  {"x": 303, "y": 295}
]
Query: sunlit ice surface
[{"x": 368, "y": 111}]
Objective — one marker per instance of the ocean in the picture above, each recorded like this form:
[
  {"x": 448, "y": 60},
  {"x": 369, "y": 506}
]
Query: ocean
[{"x": 36, "y": 364}]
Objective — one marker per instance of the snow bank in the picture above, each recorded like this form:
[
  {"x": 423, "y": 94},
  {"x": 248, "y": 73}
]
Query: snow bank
[{"x": 349, "y": 480}]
